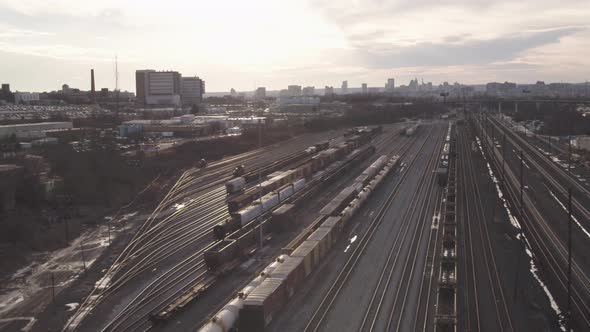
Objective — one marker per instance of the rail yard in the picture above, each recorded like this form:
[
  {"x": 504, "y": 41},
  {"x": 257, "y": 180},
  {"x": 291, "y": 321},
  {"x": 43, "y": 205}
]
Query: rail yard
[{"x": 448, "y": 225}]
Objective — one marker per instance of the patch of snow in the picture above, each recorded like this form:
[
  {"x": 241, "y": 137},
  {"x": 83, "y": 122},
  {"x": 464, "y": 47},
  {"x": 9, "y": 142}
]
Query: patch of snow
[
  {"x": 72, "y": 306},
  {"x": 565, "y": 209}
]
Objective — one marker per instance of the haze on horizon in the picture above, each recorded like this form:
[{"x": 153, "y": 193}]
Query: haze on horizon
[{"x": 244, "y": 44}]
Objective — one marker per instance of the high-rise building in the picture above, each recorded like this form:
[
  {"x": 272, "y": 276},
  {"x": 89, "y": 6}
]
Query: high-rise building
[
  {"x": 364, "y": 88},
  {"x": 141, "y": 86},
  {"x": 344, "y": 89},
  {"x": 158, "y": 87},
  {"x": 260, "y": 93},
  {"x": 294, "y": 90},
  {"x": 413, "y": 86},
  {"x": 308, "y": 91},
  {"x": 192, "y": 91},
  {"x": 390, "y": 85},
  {"x": 6, "y": 94}
]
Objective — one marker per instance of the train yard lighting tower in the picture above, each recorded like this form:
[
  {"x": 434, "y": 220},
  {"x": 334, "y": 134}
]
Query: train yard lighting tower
[
  {"x": 569, "y": 262},
  {"x": 260, "y": 184}
]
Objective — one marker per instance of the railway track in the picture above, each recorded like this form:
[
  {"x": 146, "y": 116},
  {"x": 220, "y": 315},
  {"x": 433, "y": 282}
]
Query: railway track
[
  {"x": 473, "y": 223},
  {"x": 548, "y": 248},
  {"x": 386, "y": 143},
  {"x": 141, "y": 248},
  {"x": 130, "y": 310},
  {"x": 551, "y": 172},
  {"x": 417, "y": 209},
  {"x": 316, "y": 321}
]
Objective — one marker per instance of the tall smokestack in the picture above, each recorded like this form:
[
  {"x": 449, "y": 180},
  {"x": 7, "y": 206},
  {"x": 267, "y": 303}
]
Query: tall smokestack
[{"x": 92, "y": 89}]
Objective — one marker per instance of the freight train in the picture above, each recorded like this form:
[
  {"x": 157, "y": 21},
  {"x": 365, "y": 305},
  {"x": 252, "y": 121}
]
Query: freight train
[
  {"x": 364, "y": 130},
  {"x": 443, "y": 165},
  {"x": 241, "y": 197},
  {"x": 262, "y": 205},
  {"x": 238, "y": 184},
  {"x": 255, "y": 306},
  {"x": 240, "y": 206},
  {"x": 240, "y": 242}
]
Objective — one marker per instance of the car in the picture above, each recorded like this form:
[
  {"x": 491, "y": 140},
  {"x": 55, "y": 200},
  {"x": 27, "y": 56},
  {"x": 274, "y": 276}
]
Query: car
[{"x": 202, "y": 163}]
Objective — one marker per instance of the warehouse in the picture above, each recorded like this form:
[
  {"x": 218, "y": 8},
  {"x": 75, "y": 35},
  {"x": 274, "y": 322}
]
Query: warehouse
[{"x": 32, "y": 130}]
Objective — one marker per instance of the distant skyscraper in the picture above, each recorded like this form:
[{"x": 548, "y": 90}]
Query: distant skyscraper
[
  {"x": 308, "y": 91},
  {"x": 390, "y": 85},
  {"x": 344, "y": 89},
  {"x": 328, "y": 91},
  {"x": 260, "y": 93},
  {"x": 294, "y": 90},
  {"x": 413, "y": 85},
  {"x": 364, "y": 88}
]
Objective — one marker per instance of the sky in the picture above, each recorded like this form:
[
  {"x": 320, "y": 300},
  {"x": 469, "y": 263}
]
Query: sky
[{"x": 244, "y": 44}]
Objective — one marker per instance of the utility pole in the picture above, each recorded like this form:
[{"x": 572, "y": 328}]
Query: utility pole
[
  {"x": 109, "y": 229},
  {"x": 83, "y": 259},
  {"x": 569, "y": 154},
  {"x": 569, "y": 260},
  {"x": 53, "y": 288},
  {"x": 260, "y": 184},
  {"x": 504, "y": 158},
  {"x": 518, "y": 265},
  {"x": 521, "y": 179}
]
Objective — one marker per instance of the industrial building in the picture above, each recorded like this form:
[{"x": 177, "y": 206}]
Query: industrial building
[
  {"x": 582, "y": 142},
  {"x": 32, "y": 130},
  {"x": 187, "y": 125}
]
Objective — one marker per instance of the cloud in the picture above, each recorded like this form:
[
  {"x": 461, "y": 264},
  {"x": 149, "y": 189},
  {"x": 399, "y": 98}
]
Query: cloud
[{"x": 461, "y": 52}]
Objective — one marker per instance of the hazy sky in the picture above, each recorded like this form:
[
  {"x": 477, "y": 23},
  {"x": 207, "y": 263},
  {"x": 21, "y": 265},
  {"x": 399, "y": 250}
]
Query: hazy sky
[{"x": 272, "y": 43}]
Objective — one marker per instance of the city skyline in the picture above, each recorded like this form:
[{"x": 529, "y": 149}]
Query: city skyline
[{"x": 314, "y": 43}]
